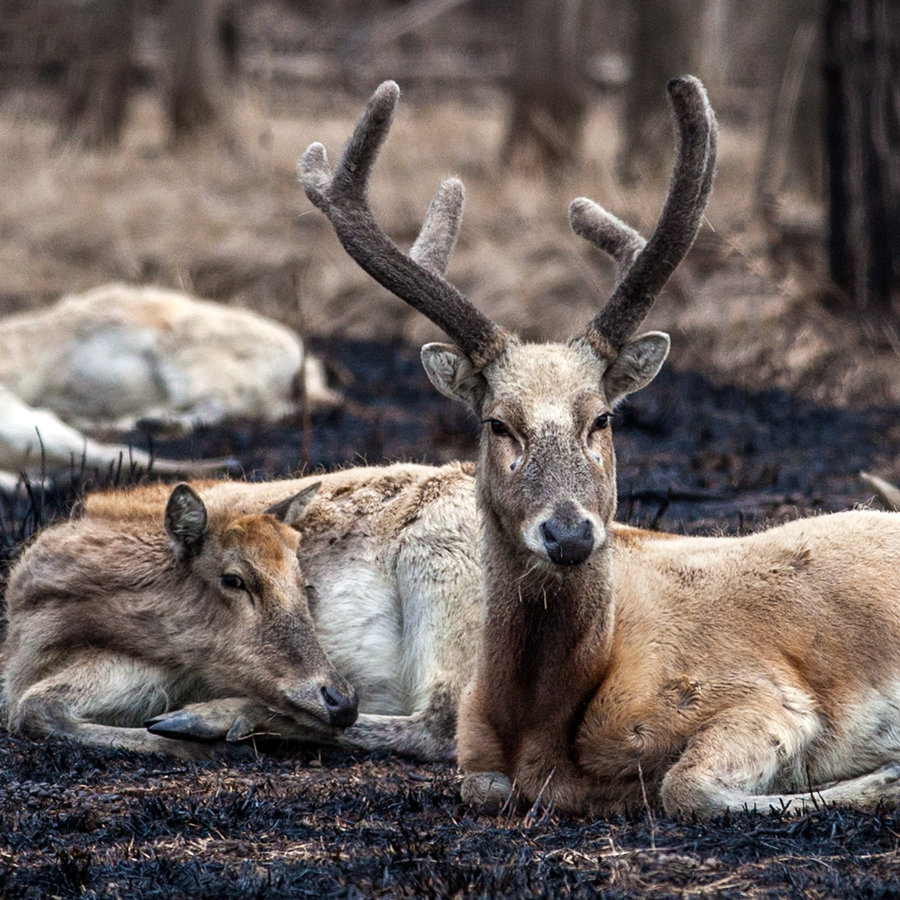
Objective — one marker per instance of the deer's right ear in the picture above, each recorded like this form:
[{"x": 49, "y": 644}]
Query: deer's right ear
[
  {"x": 292, "y": 510},
  {"x": 185, "y": 520},
  {"x": 453, "y": 374}
]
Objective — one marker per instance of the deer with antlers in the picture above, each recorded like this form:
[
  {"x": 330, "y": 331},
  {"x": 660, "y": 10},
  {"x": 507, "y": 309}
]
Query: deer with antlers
[{"x": 620, "y": 666}]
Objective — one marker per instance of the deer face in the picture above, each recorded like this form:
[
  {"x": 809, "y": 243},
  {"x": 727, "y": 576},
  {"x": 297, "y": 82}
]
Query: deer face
[
  {"x": 547, "y": 470},
  {"x": 547, "y": 474},
  {"x": 252, "y": 596}
]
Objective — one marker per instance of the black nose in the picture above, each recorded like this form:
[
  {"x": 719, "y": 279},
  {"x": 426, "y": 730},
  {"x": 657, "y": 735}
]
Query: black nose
[
  {"x": 342, "y": 709},
  {"x": 568, "y": 545}
]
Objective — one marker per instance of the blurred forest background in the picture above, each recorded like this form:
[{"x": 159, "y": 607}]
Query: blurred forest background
[{"x": 154, "y": 141}]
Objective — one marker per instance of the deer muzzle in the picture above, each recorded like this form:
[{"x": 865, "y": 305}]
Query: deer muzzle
[{"x": 566, "y": 535}]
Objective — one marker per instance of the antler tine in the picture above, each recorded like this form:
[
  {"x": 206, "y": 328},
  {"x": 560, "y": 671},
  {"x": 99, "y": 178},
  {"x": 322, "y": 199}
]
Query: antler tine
[
  {"x": 676, "y": 228},
  {"x": 607, "y": 232},
  {"x": 416, "y": 278},
  {"x": 437, "y": 239}
]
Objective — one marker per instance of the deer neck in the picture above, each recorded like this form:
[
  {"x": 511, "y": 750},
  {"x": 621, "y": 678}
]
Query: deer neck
[{"x": 547, "y": 636}]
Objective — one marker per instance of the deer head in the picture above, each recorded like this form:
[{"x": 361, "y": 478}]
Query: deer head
[{"x": 546, "y": 473}]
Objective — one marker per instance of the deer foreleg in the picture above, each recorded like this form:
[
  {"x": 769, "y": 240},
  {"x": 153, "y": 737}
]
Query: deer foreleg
[
  {"x": 424, "y": 735},
  {"x": 65, "y": 705}
]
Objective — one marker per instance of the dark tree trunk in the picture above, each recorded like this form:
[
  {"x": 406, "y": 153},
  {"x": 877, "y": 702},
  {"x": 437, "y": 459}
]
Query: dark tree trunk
[
  {"x": 549, "y": 98},
  {"x": 197, "y": 78},
  {"x": 663, "y": 46},
  {"x": 862, "y": 66},
  {"x": 96, "y": 90}
]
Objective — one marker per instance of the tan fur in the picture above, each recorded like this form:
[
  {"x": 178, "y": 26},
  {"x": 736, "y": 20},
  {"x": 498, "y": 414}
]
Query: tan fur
[
  {"x": 392, "y": 557},
  {"x": 702, "y": 675},
  {"x": 114, "y": 619}
]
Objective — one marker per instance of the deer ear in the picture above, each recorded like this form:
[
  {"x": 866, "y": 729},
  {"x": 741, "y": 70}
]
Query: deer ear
[
  {"x": 636, "y": 365},
  {"x": 453, "y": 374},
  {"x": 185, "y": 520},
  {"x": 291, "y": 510}
]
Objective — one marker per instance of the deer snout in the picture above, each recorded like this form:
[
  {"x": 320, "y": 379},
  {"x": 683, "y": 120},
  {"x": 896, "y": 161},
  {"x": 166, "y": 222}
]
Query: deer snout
[
  {"x": 342, "y": 708},
  {"x": 568, "y": 545}
]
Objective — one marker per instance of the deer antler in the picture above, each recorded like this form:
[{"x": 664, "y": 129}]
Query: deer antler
[
  {"x": 416, "y": 278},
  {"x": 644, "y": 267}
]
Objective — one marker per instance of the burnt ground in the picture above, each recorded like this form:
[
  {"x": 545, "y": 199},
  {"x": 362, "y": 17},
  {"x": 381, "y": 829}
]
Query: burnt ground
[{"x": 692, "y": 457}]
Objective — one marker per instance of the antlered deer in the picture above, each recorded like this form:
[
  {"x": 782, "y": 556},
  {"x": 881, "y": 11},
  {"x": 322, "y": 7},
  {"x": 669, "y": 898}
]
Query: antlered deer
[
  {"x": 703, "y": 673},
  {"x": 116, "y": 617},
  {"x": 390, "y": 557}
]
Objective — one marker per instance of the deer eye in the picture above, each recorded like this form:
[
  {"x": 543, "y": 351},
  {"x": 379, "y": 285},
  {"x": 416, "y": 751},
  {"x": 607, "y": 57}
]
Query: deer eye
[
  {"x": 498, "y": 428},
  {"x": 232, "y": 582},
  {"x": 601, "y": 422}
]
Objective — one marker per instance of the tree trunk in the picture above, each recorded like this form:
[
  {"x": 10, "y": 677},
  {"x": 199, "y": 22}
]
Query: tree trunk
[
  {"x": 663, "y": 46},
  {"x": 549, "y": 98},
  {"x": 793, "y": 152},
  {"x": 96, "y": 90},
  {"x": 862, "y": 59},
  {"x": 197, "y": 79}
]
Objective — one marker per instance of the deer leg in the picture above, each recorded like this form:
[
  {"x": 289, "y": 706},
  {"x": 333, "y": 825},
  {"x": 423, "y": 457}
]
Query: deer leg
[
  {"x": 424, "y": 735},
  {"x": 427, "y": 734},
  {"x": 735, "y": 763},
  {"x": 234, "y": 719},
  {"x": 70, "y": 702}
]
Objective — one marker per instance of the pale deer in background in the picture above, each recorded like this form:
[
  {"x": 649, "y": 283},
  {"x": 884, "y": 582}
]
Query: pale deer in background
[
  {"x": 117, "y": 356},
  {"x": 617, "y": 666},
  {"x": 119, "y": 616},
  {"x": 390, "y": 557},
  {"x": 36, "y": 443}
]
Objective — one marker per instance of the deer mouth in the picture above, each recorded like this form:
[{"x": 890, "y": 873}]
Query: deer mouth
[{"x": 324, "y": 704}]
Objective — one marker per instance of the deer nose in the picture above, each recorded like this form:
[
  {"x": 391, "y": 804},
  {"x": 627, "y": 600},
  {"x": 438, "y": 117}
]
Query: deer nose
[
  {"x": 568, "y": 545},
  {"x": 342, "y": 708}
]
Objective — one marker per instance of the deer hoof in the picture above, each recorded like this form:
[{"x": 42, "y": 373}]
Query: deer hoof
[
  {"x": 186, "y": 726},
  {"x": 489, "y": 792}
]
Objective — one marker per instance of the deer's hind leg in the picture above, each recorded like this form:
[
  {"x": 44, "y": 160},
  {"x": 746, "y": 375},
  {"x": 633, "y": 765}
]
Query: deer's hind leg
[
  {"x": 101, "y": 702},
  {"x": 742, "y": 759}
]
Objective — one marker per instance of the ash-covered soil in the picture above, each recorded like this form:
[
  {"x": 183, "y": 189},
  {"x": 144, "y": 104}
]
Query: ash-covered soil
[{"x": 692, "y": 457}]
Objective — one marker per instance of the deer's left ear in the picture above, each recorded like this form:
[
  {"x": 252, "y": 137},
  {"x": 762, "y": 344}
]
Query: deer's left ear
[
  {"x": 636, "y": 365},
  {"x": 453, "y": 374},
  {"x": 185, "y": 521},
  {"x": 292, "y": 510}
]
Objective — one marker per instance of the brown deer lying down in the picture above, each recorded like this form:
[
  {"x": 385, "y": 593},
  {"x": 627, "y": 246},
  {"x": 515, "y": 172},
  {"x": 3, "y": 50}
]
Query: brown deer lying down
[
  {"x": 390, "y": 558},
  {"x": 112, "y": 619},
  {"x": 702, "y": 674}
]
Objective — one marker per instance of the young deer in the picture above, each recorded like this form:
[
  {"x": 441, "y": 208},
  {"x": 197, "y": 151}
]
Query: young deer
[
  {"x": 115, "y": 618},
  {"x": 391, "y": 559},
  {"x": 702, "y": 674}
]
